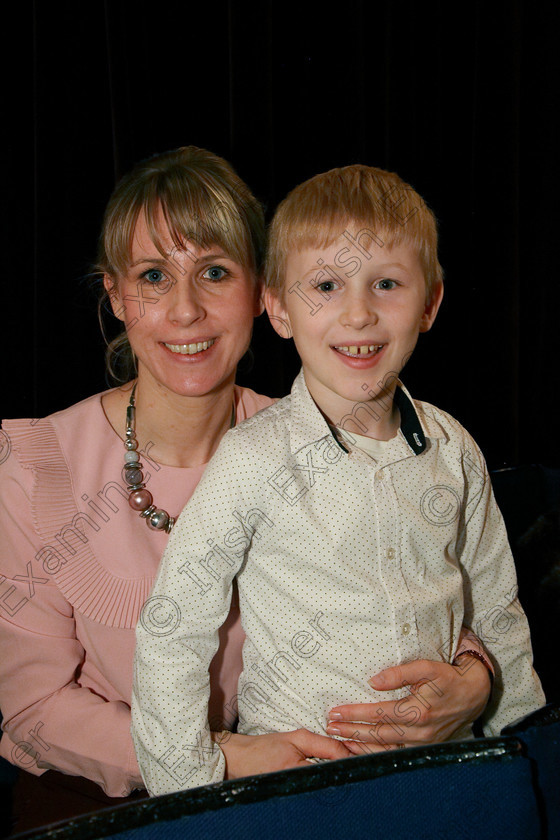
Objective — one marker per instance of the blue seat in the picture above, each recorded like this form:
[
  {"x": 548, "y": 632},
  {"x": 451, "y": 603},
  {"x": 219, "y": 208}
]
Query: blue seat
[
  {"x": 540, "y": 734},
  {"x": 473, "y": 789}
]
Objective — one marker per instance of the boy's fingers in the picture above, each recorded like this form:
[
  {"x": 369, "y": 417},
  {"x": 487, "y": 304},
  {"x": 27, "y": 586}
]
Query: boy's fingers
[
  {"x": 362, "y": 748},
  {"x": 319, "y": 746}
]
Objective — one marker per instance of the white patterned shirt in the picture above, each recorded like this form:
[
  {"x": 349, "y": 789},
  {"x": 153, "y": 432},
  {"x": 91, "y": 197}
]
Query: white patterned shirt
[{"x": 346, "y": 564}]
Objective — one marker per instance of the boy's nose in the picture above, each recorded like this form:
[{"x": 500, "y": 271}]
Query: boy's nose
[{"x": 358, "y": 311}]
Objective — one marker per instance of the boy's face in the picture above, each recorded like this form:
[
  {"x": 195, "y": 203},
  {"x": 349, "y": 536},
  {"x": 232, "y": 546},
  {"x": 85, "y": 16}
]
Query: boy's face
[{"x": 354, "y": 321}]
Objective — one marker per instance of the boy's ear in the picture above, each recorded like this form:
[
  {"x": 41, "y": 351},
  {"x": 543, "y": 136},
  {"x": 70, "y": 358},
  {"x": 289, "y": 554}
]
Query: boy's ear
[
  {"x": 112, "y": 290},
  {"x": 431, "y": 309},
  {"x": 277, "y": 314}
]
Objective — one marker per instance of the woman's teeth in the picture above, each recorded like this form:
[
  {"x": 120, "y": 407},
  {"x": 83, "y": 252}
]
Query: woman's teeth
[
  {"x": 190, "y": 349},
  {"x": 359, "y": 350}
]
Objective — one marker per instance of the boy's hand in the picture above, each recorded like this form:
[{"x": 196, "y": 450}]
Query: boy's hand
[
  {"x": 442, "y": 699},
  {"x": 247, "y": 755}
]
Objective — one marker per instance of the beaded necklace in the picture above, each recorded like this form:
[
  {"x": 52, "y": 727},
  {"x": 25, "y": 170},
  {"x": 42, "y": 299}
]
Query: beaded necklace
[{"x": 140, "y": 499}]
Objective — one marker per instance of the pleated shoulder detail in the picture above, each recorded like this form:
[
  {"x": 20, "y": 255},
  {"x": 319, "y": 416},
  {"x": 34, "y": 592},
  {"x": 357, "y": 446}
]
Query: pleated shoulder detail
[{"x": 89, "y": 587}]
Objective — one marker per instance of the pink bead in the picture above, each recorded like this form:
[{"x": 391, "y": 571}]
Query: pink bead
[{"x": 140, "y": 500}]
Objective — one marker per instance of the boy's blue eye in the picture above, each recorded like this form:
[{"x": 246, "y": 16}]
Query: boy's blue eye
[
  {"x": 215, "y": 273},
  {"x": 386, "y": 283},
  {"x": 326, "y": 286},
  {"x": 153, "y": 276}
]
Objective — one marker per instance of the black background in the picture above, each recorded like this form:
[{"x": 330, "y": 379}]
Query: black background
[{"x": 459, "y": 99}]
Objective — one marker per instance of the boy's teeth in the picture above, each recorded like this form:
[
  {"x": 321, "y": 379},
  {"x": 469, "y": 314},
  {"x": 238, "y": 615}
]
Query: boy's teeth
[
  {"x": 360, "y": 350},
  {"x": 190, "y": 349}
]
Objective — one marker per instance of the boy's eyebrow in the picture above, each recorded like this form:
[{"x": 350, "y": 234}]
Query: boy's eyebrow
[
  {"x": 392, "y": 265},
  {"x": 340, "y": 268},
  {"x": 322, "y": 267}
]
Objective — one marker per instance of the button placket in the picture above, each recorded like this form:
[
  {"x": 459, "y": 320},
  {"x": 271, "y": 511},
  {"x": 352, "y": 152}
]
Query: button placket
[{"x": 389, "y": 554}]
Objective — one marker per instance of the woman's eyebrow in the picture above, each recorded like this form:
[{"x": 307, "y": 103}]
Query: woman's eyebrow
[
  {"x": 162, "y": 260},
  {"x": 215, "y": 255},
  {"x": 159, "y": 260}
]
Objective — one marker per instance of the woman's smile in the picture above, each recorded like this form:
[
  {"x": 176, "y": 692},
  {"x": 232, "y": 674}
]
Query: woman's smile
[{"x": 193, "y": 348}]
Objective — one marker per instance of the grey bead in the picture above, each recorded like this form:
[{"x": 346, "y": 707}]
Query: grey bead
[
  {"x": 133, "y": 475},
  {"x": 158, "y": 520}
]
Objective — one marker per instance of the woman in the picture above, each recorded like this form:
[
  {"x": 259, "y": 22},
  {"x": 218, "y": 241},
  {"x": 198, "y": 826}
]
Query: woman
[{"x": 180, "y": 255}]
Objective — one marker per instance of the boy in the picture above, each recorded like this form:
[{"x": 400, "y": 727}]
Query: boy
[{"x": 361, "y": 526}]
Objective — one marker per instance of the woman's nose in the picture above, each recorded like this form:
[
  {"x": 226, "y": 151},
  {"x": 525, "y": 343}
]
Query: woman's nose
[{"x": 184, "y": 304}]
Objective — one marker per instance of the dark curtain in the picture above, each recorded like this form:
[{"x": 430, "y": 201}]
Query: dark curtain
[{"x": 460, "y": 99}]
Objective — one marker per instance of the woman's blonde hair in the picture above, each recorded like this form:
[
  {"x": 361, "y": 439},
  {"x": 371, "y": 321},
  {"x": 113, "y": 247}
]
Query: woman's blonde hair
[
  {"x": 202, "y": 200},
  {"x": 316, "y": 213}
]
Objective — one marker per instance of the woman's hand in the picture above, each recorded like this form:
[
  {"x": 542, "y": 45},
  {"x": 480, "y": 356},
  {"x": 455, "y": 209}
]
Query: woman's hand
[
  {"x": 442, "y": 699},
  {"x": 247, "y": 755}
]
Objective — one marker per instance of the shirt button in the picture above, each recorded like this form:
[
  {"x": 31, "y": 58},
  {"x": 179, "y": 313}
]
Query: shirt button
[
  {"x": 380, "y": 475},
  {"x": 390, "y": 553},
  {"x": 406, "y": 629}
]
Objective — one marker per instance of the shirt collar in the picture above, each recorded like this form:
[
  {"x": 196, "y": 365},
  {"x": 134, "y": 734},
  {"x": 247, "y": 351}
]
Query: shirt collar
[{"x": 308, "y": 424}]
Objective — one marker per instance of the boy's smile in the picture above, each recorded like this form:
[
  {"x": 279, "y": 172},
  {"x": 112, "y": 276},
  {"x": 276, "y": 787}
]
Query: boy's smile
[{"x": 354, "y": 331}]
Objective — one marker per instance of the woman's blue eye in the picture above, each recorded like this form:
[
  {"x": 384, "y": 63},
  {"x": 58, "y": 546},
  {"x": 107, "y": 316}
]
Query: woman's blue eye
[
  {"x": 215, "y": 272},
  {"x": 153, "y": 276}
]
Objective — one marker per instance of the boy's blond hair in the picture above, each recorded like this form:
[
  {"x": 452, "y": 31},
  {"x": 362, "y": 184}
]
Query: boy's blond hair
[{"x": 317, "y": 212}]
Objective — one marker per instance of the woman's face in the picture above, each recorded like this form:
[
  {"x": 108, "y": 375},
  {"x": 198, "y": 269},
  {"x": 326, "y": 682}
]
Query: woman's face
[{"x": 188, "y": 315}]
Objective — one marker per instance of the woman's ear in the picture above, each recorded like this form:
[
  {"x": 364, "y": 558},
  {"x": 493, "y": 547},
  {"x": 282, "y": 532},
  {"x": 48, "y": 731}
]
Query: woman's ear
[
  {"x": 112, "y": 289},
  {"x": 259, "y": 297},
  {"x": 277, "y": 314},
  {"x": 431, "y": 309}
]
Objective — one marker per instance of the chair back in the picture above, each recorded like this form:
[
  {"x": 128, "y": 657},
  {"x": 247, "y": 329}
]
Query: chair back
[
  {"x": 464, "y": 791},
  {"x": 540, "y": 734}
]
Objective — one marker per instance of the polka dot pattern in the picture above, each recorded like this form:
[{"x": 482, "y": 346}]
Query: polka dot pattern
[{"x": 347, "y": 562}]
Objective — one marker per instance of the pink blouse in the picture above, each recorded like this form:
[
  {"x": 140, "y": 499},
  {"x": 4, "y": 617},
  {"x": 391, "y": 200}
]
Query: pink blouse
[{"x": 76, "y": 565}]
